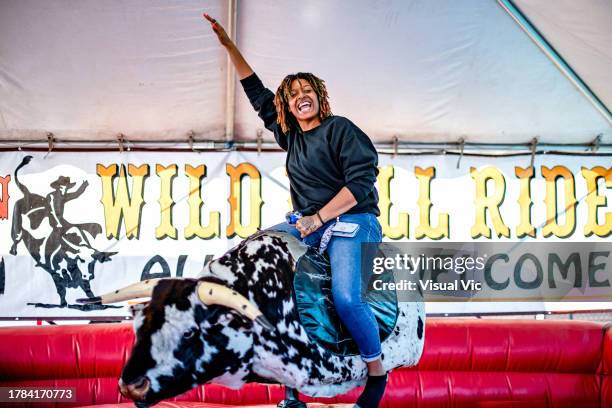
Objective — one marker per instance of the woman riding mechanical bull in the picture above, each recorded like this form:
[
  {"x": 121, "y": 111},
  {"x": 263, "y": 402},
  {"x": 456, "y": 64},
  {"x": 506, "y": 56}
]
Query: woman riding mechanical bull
[
  {"x": 238, "y": 322},
  {"x": 332, "y": 168}
]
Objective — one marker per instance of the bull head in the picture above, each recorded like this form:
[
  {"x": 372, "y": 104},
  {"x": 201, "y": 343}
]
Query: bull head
[{"x": 191, "y": 332}]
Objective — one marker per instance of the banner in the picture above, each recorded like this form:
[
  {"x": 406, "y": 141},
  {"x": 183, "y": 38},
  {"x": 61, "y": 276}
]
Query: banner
[{"x": 77, "y": 224}]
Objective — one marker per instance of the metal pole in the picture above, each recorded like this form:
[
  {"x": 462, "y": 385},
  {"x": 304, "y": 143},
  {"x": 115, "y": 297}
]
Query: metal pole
[
  {"x": 230, "y": 87},
  {"x": 554, "y": 56},
  {"x": 383, "y": 147}
]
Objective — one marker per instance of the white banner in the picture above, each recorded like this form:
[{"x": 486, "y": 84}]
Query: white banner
[{"x": 74, "y": 225}]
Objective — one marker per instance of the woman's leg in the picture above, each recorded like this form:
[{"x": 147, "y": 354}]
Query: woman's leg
[
  {"x": 347, "y": 289},
  {"x": 345, "y": 258}
]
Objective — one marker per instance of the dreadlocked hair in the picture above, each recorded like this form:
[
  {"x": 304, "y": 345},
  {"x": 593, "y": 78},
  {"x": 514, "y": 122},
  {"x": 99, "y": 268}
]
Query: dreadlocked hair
[{"x": 285, "y": 118}]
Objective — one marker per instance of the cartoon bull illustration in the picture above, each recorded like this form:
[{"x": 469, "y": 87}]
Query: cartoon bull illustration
[{"x": 59, "y": 247}]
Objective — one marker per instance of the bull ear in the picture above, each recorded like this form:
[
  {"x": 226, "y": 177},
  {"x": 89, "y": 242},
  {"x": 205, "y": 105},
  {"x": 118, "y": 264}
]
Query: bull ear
[
  {"x": 103, "y": 256},
  {"x": 133, "y": 291},
  {"x": 215, "y": 294},
  {"x": 137, "y": 307}
]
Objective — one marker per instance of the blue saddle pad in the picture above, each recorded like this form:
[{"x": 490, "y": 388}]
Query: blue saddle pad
[{"x": 312, "y": 284}]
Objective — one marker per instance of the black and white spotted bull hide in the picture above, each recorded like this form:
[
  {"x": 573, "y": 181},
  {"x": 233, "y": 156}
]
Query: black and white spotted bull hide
[{"x": 180, "y": 342}]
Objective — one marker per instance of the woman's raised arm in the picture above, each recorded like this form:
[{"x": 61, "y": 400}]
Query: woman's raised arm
[
  {"x": 261, "y": 98},
  {"x": 242, "y": 67}
]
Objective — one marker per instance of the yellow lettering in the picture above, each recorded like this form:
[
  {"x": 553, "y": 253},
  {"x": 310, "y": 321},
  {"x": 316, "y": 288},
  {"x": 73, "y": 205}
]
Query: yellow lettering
[
  {"x": 117, "y": 203},
  {"x": 424, "y": 229},
  {"x": 237, "y": 174},
  {"x": 195, "y": 228},
  {"x": 525, "y": 228},
  {"x": 289, "y": 203},
  {"x": 552, "y": 226},
  {"x": 483, "y": 202},
  {"x": 400, "y": 230},
  {"x": 166, "y": 203},
  {"x": 594, "y": 201}
]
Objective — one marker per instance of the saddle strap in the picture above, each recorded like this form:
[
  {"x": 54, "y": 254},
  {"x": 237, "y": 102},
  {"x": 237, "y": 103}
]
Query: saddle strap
[{"x": 325, "y": 238}]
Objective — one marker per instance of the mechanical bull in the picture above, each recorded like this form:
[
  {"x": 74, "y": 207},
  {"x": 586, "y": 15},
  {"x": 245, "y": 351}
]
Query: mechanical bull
[{"x": 239, "y": 323}]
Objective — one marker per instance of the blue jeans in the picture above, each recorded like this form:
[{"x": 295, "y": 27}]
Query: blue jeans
[{"x": 345, "y": 258}]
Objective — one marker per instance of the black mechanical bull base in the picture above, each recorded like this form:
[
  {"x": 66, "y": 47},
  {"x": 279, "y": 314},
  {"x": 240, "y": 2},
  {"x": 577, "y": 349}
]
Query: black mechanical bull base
[{"x": 239, "y": 323}]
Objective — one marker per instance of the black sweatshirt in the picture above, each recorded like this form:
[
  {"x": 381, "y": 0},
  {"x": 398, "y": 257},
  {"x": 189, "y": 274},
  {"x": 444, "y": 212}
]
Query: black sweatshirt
[{"x": 322, "y": 160}]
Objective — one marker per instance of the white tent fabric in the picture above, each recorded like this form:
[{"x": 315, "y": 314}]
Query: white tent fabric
[
  {"x": 92, "y": 69},
  {"x": 419, "y": 70}
]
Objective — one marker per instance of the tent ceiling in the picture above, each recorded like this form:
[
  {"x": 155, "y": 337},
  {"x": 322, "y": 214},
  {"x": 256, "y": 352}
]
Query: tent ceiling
[
  {"x": 581, "y": 31},
  {"x": 418, "y": 70}
]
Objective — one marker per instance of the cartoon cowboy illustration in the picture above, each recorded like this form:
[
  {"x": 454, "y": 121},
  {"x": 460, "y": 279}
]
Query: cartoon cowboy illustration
[{"x": 56, "y": 200}]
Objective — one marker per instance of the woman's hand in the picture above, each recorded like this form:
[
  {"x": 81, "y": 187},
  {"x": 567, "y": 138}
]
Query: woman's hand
[
  {"x": 308, "y": 224},
  {"x": 220, "y": 31},
  {"x": 242, "y": 67}
]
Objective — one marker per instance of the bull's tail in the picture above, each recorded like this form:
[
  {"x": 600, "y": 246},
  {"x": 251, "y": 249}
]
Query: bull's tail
[
  {"x": 21, "y": 206},
  {"x": 23, "y": 188}
]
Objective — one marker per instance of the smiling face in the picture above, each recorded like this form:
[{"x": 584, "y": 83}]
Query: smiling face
[
  {"x": 304, "y": 103},
  {"x": 301, "y": 98}
]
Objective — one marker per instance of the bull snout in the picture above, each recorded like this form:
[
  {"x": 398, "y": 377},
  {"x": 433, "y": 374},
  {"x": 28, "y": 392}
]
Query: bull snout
[{"x": 136, "y": 390}]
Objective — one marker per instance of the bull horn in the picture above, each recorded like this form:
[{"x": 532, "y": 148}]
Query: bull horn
[
  {"x": 215, "y": 294},
  {"x": 133, "y": 291}
]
